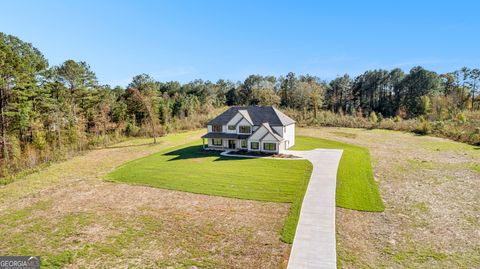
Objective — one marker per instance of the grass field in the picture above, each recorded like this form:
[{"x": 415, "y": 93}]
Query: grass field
[
  {"x": 430, "y": 189},
  {"x": 67, "y": 214},
  {"x": 190, "y": 168},
  {"x": 356, "y": 187},
  {"x": 70, "y": 216}
]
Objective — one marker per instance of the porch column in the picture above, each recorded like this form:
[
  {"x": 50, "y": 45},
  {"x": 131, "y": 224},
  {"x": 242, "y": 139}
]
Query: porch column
[{"x": 203, "y": 143}]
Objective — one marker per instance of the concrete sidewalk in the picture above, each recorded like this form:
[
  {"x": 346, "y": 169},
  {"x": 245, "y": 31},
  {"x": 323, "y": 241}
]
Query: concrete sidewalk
[{"x": 314, "y": 245}]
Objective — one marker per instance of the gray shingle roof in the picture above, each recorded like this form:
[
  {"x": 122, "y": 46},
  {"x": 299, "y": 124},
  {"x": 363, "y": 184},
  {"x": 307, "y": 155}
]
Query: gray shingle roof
[
  {"x": 245, "y": 115},
  {"x": 258, "y": 115}
]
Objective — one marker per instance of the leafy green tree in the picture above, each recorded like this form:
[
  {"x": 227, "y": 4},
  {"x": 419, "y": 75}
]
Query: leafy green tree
[
  {"x": 339, "y": 93},
  {"x": 148, "y": 87},
  {"x": 264, "y": 97},
  {"x": 474, "y": 76},
  {"x": 418, "y": 83},
  {"x": 20, "y": 64},
  {"x": 143, "y": 94},
  {"x": 287, "y": 89},
  {"x": 78, "y": 78},
  {"x": 245, "y": 93}
]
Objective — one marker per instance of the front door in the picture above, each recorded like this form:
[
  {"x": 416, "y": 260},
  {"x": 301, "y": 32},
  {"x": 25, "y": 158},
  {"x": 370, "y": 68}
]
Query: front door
[{"x": 231, "y": 144}]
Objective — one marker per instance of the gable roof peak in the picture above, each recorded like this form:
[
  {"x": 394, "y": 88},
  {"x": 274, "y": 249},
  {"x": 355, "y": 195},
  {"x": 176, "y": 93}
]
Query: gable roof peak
[
  {"x": 245, "y": 115},
  {"x": 256, "y": 115}
]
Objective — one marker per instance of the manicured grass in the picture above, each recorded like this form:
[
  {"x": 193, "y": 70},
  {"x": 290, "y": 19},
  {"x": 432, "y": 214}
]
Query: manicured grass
[
  {"x": 356, "y": 188},
  {"x": 189, "y": 168}
]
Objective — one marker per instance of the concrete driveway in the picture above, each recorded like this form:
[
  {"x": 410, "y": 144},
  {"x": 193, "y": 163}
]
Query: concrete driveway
[{"x": 314, "y": 244}]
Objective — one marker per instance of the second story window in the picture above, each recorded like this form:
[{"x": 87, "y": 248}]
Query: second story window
[
  {"x": 217, "y": 128},
  {"x": 231, "y": 127},
  {"x": 244, "y": 129}
]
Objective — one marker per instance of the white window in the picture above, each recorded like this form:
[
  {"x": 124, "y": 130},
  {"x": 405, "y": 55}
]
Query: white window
[
  {"x": 269, "y": 146},
  {"x": 244, "y": 143},
  {"x": 244, "y": 129},
  {"x": 217, "y": 128}
]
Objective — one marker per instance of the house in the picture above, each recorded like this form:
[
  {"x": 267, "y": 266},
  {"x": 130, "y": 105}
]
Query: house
[{"x": 252, "y": 128}]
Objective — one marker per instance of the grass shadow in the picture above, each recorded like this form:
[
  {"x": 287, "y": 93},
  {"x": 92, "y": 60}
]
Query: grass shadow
[{"x": 195, "y": 152}]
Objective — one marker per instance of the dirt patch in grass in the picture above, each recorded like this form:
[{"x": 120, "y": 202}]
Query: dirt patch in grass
[
  {"x": 430, "y": 188},
  {"x": 72, "y": 218}
]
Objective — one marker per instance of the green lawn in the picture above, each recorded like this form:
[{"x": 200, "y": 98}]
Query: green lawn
[
  {"x": 189, "y": 168},
  {"x": 356, "y": 188}
]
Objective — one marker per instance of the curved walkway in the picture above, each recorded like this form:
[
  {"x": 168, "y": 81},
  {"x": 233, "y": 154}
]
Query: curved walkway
[{"x": 314, "y": 245}]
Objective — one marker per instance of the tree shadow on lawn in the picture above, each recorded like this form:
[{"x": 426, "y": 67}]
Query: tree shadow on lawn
[{"x": 195, "y": 152}]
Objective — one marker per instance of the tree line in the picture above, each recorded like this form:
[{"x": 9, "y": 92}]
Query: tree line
[{"x": 49, "y": 109}]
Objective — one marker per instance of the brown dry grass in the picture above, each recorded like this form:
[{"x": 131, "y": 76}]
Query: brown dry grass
[
  {"x": 67, "y": 214},
  {"x": 72, "y": 218},
  {"x": 431, "y": 189}
]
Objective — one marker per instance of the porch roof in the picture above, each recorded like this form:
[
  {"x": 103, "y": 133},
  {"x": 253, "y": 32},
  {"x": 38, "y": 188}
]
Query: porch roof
[{"x": 225, "y": 135}]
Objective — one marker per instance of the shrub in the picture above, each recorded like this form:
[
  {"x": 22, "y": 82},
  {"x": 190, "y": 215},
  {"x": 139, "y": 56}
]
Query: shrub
[
  {"x": 131, "y": 129},
  {"x": 373, "y": 117},
  {"x": 39, "y": 140},
  {"x": 461, "y": 117}
]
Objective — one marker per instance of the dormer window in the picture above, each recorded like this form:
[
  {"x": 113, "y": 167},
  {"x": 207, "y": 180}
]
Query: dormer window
[
  {"x": 244, "y": 129},
  {"x": 217, "y": 128}
]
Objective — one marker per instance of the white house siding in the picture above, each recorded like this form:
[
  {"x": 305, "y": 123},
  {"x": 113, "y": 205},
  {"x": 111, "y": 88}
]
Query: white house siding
[
  {"x": 289, "y": 135},
  {"x": 259, "y": 133},
  {"x": 269, "y": 138},
  {"x": 233, "y": 121},
  {"x": 281, "y": 147},
  {"x": 244, "y": 122},
  {"x": 278, "y": 129}
]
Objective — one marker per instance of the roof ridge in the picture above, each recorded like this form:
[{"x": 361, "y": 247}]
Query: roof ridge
[{"x": 255, "y": 115}]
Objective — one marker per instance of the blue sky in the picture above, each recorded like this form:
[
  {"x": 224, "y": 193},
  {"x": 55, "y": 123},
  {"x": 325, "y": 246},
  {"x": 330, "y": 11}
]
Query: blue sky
[{"x": 185, "y": 40}]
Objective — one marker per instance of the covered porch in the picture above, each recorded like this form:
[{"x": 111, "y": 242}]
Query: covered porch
[{"x": 224, "y": 141}]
